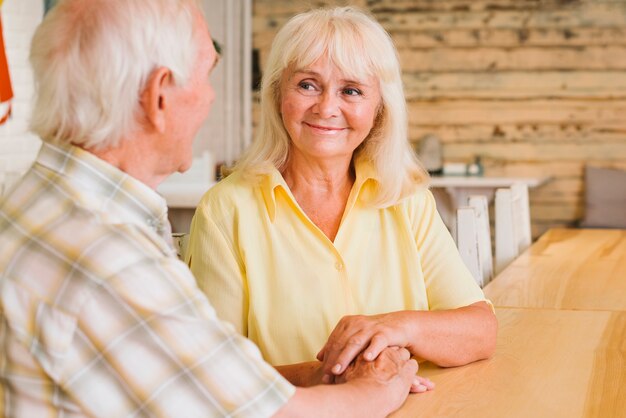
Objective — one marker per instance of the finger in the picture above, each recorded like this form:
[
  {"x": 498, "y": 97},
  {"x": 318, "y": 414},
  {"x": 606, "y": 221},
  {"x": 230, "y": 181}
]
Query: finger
[
  {"x": 417, "y": 387},
  {"x": 430, "y": 385},
  {"x": 404, "y": 354},
  {"x": 376, "y": 346},
  {"x": 320, "y": 355},
  {"x": 409, "y": 369},
  {"x": 354, "y": 345},
  {"x": 335, "y": 343},
  {"x": 421, "y": 385},
  {"x": 398, "y": 355}
]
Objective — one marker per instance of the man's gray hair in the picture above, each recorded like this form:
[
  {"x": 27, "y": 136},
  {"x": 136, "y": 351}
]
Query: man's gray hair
[{"x": 92, "y": 58}]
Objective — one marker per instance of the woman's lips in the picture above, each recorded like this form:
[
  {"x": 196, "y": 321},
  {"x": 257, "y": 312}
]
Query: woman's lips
[{"x": 328, "y": 129}]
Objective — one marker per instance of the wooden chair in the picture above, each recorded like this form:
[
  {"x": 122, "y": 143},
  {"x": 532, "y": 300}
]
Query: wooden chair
[
  {"x": 483, "y": 230},
  {"x": 467, "y": 241},
  {"x": 180, "y": 241},
  {"x": 473, "y": 237},
  {"x": 521, "y": 216},
  {"x": 513, "y": 234}
]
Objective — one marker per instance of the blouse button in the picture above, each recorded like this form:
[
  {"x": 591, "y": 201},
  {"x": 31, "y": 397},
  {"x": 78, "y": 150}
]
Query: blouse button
[{"x": 339, "y": 265}]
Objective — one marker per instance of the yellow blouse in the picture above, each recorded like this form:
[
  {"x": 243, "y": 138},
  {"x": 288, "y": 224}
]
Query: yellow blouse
[{"x": 273, "y": 273}]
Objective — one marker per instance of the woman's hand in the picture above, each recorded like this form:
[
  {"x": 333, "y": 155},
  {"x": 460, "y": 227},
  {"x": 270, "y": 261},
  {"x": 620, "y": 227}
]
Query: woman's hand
[
  {"x": 448, "y": 338},
  {"x": 422, "y": 384},
  {"x": 367, "y": 334}
]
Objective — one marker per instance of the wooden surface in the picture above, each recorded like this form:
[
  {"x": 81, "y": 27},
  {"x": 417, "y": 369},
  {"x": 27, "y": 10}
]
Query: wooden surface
[
  {"x": 566, "y": 269},
  {"x": 548, "y": 363}
]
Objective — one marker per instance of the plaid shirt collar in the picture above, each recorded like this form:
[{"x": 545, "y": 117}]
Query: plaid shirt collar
[{"x": 106, "y": 189}]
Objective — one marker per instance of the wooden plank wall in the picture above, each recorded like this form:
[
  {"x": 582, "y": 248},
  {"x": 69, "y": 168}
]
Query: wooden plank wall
[{"x": 533, "y": 87}]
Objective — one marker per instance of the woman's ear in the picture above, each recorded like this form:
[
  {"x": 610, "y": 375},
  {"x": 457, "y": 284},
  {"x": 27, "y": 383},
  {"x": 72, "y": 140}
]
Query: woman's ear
[{"x": 155, "y": 100}]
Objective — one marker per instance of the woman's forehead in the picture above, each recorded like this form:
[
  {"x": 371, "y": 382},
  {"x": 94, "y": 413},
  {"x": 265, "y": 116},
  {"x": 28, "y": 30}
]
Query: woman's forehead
[{"x": 317, "y": 65}]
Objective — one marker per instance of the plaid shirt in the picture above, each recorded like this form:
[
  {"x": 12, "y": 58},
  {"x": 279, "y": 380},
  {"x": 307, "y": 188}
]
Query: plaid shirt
[{"x": 97, "y": 315}]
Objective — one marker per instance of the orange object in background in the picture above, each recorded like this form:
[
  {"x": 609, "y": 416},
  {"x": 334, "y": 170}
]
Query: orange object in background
[
  {"x": 6, "y": 91},
  {"x": 3, "y": 118}
]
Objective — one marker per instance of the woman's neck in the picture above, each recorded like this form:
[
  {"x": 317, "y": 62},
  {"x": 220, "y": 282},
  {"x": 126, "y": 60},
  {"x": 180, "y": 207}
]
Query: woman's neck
[
  {"x": 318, "y": 177},
  {"x": 322, "y": 191}
]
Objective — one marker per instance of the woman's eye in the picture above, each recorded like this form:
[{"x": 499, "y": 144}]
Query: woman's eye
[
  {"x": 352, "y": 92},
  {"x": 305, "y": 86}
]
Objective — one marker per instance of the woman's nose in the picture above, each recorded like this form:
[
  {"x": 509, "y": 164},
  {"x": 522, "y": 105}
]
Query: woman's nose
[{"x": 327, "y": 105}]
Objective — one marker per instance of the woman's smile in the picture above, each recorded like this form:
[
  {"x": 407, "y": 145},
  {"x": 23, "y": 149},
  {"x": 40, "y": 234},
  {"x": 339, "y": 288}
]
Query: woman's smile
[{"x": 324, "y": 130}]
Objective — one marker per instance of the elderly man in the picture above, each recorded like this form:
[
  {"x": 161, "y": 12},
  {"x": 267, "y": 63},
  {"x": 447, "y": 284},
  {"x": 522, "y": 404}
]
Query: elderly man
[{"x": 98, "y": 317}]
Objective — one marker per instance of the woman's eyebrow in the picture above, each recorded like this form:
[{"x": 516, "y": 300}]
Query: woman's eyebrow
[
  {"x": 357, "y": 82},
  {"x": 307, "y": 71},
  {"x": 343, "y": 80}
]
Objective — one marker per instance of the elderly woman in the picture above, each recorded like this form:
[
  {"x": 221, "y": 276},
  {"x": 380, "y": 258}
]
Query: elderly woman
[{"x": 325, "y": 235}]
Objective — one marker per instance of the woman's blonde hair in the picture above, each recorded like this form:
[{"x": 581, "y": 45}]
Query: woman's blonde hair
[
  {"x": 91, "y": 64},
  {"x": 360, "y": 47}
]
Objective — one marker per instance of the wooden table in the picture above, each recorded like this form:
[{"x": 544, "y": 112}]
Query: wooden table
[
  {"x": 548, "y": 363},
  {"x": 566, "y": 269}
]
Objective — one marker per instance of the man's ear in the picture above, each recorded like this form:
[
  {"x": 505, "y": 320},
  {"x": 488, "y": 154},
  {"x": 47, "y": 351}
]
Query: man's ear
[{"x": 155, "y": 98}]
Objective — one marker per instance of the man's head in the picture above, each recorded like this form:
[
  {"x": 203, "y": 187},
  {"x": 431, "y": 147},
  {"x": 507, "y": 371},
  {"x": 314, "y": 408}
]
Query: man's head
[{"x": 107, "y": 69}]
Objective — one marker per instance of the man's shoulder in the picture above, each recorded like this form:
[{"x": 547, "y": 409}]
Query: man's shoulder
[{"x": 55, "y": 239}]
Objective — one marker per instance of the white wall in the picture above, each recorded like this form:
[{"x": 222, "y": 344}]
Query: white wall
[{"x": 18, "y": 147}]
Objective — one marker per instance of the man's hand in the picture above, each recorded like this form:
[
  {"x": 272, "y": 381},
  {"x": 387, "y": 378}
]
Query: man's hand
[
  {"x": 361, "y": 368},
  {"x": 369, "y": 388},
  {"x": 367, "y": 334},
  {"x": 392, "y": 372}
]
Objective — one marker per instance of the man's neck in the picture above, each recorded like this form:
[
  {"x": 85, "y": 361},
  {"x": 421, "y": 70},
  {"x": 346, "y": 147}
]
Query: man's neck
[{"x": 135, "y": 158}]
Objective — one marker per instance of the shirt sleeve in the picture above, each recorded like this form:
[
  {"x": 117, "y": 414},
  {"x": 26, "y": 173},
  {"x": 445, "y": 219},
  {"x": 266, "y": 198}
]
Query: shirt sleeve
[
  {"x": 149, "y": 343},
  {"x": 219, "y": 271},
  {"x": 449, "y": 284}
]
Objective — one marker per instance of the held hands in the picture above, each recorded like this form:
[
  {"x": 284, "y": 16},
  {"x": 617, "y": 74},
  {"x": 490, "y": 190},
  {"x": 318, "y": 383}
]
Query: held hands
[
  {"x": 394, "y": 363},
  {"x": 392, "y": 373},
  {"x": 369, "y": 335},
  {"x": 359, "y": 333}
]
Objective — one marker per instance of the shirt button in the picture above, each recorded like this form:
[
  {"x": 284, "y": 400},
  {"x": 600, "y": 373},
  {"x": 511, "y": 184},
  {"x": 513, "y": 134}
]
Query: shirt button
[{"x": 339, "y": 265}]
